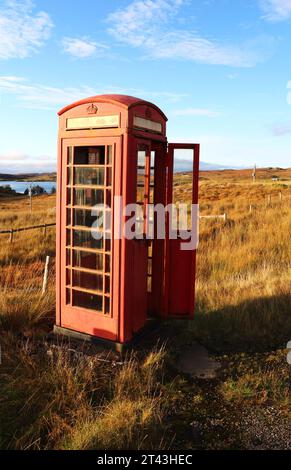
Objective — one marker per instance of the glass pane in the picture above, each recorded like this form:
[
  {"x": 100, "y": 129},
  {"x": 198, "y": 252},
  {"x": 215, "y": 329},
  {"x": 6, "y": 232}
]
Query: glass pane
[
  {"x": 83, "y": 217},
  {"x": 68, "y": 197},
  {"x": 107, "y": 284},
  {"x": 109, "y": 155},
  {"x": 88, "y": 280},
  {"x": 88, "y": 197},
  {"x": 68, "y": 241},
  {"x": 153, "y": 157},
  {"x": 85, "y": 239},
  {"x": 108, "y": 176},
  {"x": 107, "y": 305},
  {"x": 88, "y": 176},
  {"x": 108, "y": 197},
  {"x": 82, "y": 299},
  {"x": 68, "y": 216},
  {"x": 149, "y": 284},
  {"x": 89, "y": 155},
  {"x": 107, "y": 244},
  {"x": 141, "y": 158},
  {"x": 68, "y": 277},
  {"x": 70, "y": 156},
  {"x": 68, "y": 296},
  {"x": 68, "y": 257},
  {"x": 69, "y": 176},
  {"x": 83, "y": 259},
  {"x": 107, "y": 263},
  {"x": 149, "y": 266}
]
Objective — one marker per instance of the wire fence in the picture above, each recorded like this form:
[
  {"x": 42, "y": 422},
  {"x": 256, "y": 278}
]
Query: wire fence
[
  {"x": 271, "y": 201},
  {"x": 11, "y": 232}
]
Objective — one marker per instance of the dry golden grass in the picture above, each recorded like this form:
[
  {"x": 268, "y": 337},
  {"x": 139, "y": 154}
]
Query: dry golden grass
[
  {"x": 65, "y": 401},
  {"x": 31, "y": 245}
]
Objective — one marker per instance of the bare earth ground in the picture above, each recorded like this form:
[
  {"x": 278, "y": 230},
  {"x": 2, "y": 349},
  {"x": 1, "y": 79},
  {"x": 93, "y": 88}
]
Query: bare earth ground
[{"x": 72, "y": 396}]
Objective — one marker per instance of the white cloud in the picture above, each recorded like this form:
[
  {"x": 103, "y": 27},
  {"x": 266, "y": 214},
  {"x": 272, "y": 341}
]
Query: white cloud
[
  {"x": 201, "y": 112},
  {"x": 145, "y": 23},
  {"x": 83, "y": 48},
  {"x": 37, "y": 96},
  {"x": 276, "y": 10},
  {"x": 22, "y": 32},
  {"x": 22, "y": 163},
  {"x": 135, "y": 24}
]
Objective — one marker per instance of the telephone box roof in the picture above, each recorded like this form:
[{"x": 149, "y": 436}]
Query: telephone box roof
[{"x": 124, "y": 101}]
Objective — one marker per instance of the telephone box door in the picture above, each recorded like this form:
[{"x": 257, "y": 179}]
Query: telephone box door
[
  {"x": 89, "y": 178},
  {"x": 140, "y": 245},
  {"x": 180, "y": 263}
]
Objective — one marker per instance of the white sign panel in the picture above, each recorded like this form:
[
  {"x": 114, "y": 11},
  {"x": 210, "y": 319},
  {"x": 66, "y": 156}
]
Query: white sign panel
[
  {"x": 147, "y": 124},
  {"x": 92, "y": 122}
]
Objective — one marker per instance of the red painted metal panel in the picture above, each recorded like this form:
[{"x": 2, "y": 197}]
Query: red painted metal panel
[
  {"x": 122, "y": 100},
  {"x": 180, "y": 265}
]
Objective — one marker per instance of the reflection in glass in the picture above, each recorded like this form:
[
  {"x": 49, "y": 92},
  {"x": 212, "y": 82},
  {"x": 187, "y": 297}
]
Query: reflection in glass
[
  {"x": 83, "y": 217},
  {"x": 89, "y": 155},
  {"x": 109, "y": 155},
  {"x": 70, "y": 155},
  {"x": 93, "y": 302},
  {"x": 88, "y": 197},
  {"x": 89, "y": 176},
  {"x": 88, "y": 280},
  {"x": 141, "y": 158},
  {"x": 85, "y": 239},
  {"x": 84, "y": 259}
]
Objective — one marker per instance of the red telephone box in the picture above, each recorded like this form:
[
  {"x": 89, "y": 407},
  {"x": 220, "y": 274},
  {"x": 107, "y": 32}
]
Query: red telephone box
[{"x": 114, "y": 147}]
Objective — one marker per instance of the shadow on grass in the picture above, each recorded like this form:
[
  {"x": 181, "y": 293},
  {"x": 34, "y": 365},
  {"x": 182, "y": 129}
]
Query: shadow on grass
[{"x": 260, "y": 324}]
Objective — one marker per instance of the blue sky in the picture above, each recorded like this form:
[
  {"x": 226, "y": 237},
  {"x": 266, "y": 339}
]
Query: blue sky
[{"x": 219, "y": 69}]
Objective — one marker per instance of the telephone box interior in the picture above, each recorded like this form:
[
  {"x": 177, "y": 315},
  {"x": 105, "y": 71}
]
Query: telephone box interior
[{"x": 108, "y": 286}]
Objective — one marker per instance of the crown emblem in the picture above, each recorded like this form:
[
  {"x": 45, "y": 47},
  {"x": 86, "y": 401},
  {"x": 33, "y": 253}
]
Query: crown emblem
[{"x": 92, "y": 109}]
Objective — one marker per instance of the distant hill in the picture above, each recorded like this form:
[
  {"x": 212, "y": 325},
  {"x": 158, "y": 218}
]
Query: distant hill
[
  {"x": 28, "y": 177},
  {"x": 213, "y": 166},
  {"x": 183, "y": 164}
]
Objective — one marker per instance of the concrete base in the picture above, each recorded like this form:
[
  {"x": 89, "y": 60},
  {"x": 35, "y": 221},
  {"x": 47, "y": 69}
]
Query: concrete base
[
  {"x": 119, "y": 347},
  {"x": 197, "y": 363},
  {"x": 106, "y": 343}
]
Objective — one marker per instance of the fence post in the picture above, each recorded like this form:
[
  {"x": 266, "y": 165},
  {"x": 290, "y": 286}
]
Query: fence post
[
  {"x": 251, "y": 208},
  {"x": 45, "y": 276},
  {"x": 280, "y": 196},
  {"x": 44, "y": 229},
  {"x": 224, "y": 217},
  {"x": 11, "y": 235}
]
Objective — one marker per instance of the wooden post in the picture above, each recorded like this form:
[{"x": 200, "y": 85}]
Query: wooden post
[
  {"x": 254, "y": 174},
  {"x": 11, "y": 236},
  {"x": 44, "y": 229},
  {"x": 45, "y": 276},
  {"x": 251, "y": 208},
  {"x": 280, "y": 196},
  {"x": 224, "y": 217},
  {"x": 30, "y": 197}
]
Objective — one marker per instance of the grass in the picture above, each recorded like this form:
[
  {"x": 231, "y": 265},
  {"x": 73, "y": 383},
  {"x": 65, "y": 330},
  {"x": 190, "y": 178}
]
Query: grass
[
  {"x": 62, "y": 401},
  {"x": 56, "y": 396}
]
